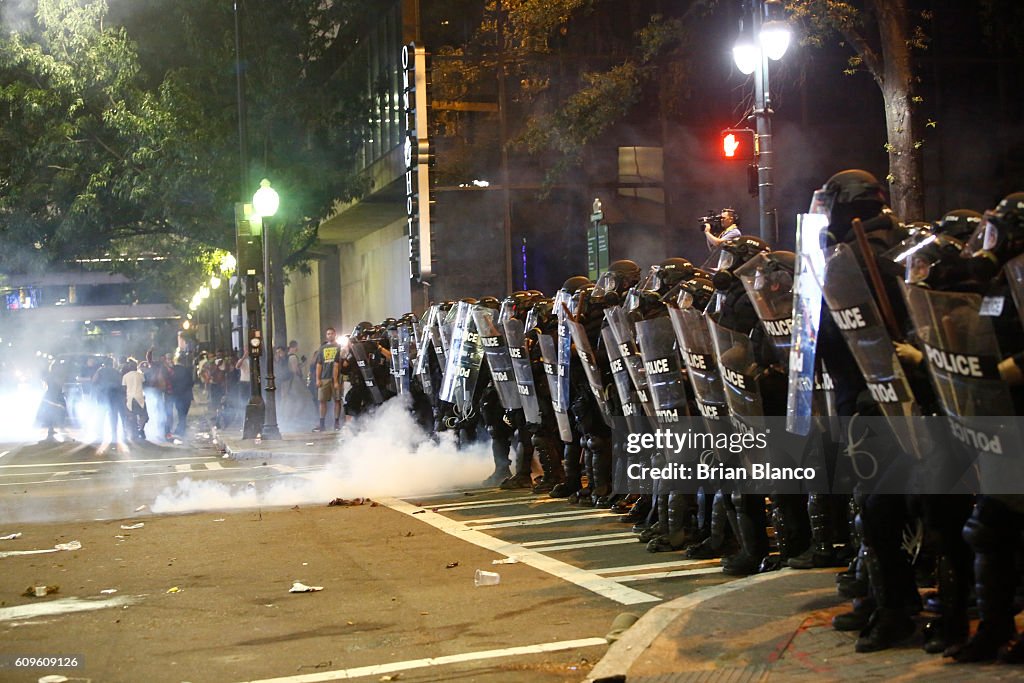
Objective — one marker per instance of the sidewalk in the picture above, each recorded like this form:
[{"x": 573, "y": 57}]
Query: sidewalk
[{"x": 769, "y": 627}]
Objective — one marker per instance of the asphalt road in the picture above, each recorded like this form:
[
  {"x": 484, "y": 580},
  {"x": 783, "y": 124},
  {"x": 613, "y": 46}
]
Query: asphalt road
[{"x": 205, "y": 596}]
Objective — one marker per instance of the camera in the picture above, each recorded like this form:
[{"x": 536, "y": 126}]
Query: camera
[{"x": 712, "y": 218}]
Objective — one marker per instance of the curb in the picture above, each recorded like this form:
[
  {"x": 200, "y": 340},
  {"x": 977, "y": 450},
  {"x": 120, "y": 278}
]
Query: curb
[{"x": 615, "y": 664}]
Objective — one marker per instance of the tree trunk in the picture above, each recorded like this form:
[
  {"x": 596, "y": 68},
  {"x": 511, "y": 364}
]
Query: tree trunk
[{"x": 897, "y": 85}]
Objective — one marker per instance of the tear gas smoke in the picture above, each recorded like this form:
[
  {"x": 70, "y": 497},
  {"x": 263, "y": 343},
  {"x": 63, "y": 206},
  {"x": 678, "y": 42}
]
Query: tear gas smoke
[{"x": 387, "y": 454}]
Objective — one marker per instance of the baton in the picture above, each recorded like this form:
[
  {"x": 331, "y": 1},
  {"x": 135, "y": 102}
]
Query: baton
[{"x": 876, "y": 280}]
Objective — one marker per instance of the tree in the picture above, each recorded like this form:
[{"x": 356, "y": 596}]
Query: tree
[
  {"x": 883, "y": 35},
  {"x": 107, "y": 148}
]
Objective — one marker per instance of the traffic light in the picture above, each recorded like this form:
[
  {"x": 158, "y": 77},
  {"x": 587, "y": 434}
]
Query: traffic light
[{"x": 739, "y": 144}]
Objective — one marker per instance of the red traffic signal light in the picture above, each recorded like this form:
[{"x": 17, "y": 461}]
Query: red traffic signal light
[{"x": 738, "y": 143}]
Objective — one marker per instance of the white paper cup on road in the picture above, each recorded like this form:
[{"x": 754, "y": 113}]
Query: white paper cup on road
[{"x": 482, "y": 578}]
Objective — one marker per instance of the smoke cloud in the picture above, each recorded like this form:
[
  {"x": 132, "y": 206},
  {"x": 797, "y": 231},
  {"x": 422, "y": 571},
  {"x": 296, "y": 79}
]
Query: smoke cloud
[{"x": 387, "y": 454}]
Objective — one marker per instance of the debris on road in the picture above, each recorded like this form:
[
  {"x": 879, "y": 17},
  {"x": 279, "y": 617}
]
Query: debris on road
[
  {"x": 10, "y": 537},
  {"x": 482, "y": 578},
  {"x": 507, "y": 560},
  {"x": 70, "y": 545},
  {"x": 140, "y": 508},
  {"x": 392, "y": 677},
  {"x": 54, "y": 678},
  {"x": 129, "y": 527},
  {"x": 452, "y": 565},
  {"x": 173, "y": 589},
  {"x": 108, "y": 591},
  {"x": 346, "y": 502},
  {"x": 620, "y": 624},
  {"x": 219, "y": 520},
  {"x": 299, "y": 587},
  {"x": 40, "y": 591}
]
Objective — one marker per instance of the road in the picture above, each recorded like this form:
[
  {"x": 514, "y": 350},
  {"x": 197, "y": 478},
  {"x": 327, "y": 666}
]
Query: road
[{"x": 204, "y": 596}]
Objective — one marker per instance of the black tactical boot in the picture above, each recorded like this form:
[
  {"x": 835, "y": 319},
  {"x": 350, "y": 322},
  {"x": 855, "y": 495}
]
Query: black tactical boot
[
  {"x": 886, "y": 627},
  {"x": 821, "y": 553},
  {"x": 680, "y": 534}
]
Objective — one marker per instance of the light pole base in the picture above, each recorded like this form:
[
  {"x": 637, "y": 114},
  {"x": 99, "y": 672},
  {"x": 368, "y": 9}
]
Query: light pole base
[
  {"x": 270, "y": 431},
  {"x": 254, "y": 414}
]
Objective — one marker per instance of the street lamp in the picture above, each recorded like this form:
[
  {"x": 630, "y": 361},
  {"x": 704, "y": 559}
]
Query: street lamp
[
  {"x": 265, "y": 203},
  {"x": 773, "y": 36}
]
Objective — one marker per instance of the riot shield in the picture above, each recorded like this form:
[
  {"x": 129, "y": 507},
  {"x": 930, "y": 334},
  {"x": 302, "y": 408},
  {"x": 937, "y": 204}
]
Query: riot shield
[
  {"x": 463, "y": 362},
  {"x": 631, "y": 409},
  {"x": 963, "y": 355},
  {"x": 657, "y": 342},
  {"x": 400, "y": 339},
  {"x": 855, "y": 313},
  {"x": 770, "y": 289},
  {"x": 736, "y": 364},
  {"x": 806, "y": 317},
  {"x": 492, "y": 339},
  {"x": 552, "y": 371},
  {"x": 589, "y": 361},
  {"x": 622, "y": 330},
  {"x": 446, "y": 329},
  {"x": 362, "y": 357},
  {"x": 1015, "y": 276},
  {"x": 564, "y": 357},
  {"x": 519, "y": 354},
  {"x": 698, "y": 351},
  {"x": 425, "y": 340}
]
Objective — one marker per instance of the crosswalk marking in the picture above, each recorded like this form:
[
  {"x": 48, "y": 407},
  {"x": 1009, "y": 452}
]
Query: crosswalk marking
[
  {"x": 544, "y": 520},
  {"x": 669, "y": 575},
  {"x": 574, "y": 539},
  {"x": 654, "y": 565},
  {"x": 213, "y": 466},
  {"x": 608, "y": 588},
  {"x": 183, "y": 468},
  {"x": 593, "y": 544},
  {"x": 538, "y": 515}
]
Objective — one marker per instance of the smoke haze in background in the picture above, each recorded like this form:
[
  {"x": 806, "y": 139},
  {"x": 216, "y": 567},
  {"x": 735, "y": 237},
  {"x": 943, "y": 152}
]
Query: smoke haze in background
[{"x": 387, "y": 454}]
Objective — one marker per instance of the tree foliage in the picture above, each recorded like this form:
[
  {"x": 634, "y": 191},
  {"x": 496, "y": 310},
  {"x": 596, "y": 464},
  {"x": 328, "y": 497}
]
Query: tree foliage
[
  {"x": 883, "y": 35},
  {"x": 109, "y": 147}
]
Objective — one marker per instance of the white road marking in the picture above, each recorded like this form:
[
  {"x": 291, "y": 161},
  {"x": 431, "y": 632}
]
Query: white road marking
[
  {"x": 574, "y": 539},
  {"x": 380, "y": 669},
  {"x": 544, "y": 520},
  {"x": 669, "y": 575},
  {"x": 534, "y": 515},
  {"x": 183, "y": 468},
  {"x": 120, "y": 461},
  {"x": 4, "y": 453},
  {"x": 213, "y": 466},
  {"x": 605, "y": 587},
  {"x": 654, "y": 565},
  {"x": 494, "y": 504},
  {"x": 44, "y": 481},
  {"x": 592, "y": 544},
  {"x": 283, "y": 469},
  {"x": 62, "y": 606}
]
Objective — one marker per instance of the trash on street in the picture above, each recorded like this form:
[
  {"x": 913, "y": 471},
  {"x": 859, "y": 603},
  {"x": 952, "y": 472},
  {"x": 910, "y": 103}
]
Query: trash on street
[{"x": 299, "y": 587}]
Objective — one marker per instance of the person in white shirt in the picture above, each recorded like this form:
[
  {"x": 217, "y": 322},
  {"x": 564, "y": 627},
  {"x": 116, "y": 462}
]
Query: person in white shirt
[{"x": 135, "y": 399}]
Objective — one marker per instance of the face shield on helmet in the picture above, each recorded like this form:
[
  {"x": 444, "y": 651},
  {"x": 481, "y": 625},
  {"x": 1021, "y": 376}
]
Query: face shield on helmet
[
  {"x": 648, "y": 281},
  {"x": 563, "y": 301},
  {"x": 632, "y": 300},
  {"x": 822, "y": 203},
  {"x": 608, "y": 282},
  {"x": 507, "y": 312}
]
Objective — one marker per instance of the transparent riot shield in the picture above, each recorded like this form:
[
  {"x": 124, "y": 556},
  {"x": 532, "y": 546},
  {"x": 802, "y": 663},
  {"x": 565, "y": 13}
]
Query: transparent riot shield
[
  {"x": 361, "y": 354},
  {"x": 1015, "y": 276},
  {"x": 589, "y": 361},
  {"x": 400, "y": 343},
  {"x": 519, "y": 354},
  {"x": 806, "y": 317},
  {"x": 736, "y": 366},
  {"x": 664, "y": 370},
  {"x": 622, "y": 330},
  {"x": 698, "y": 351},
  {"x": 492, "y": 339},
  {"x": 463, "y": 362},
  {"x": 855, "y": 313},
  {"x": 564, "y": 350},
  {"x": 552, "y": 370},
  {"x": 446, "y": 329},
  {"x": 425, "y": 340},
  {"x": 963, "y": 354},
  {"x": 770, "y": 289},
  {"x": 631, "y": 409}
]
